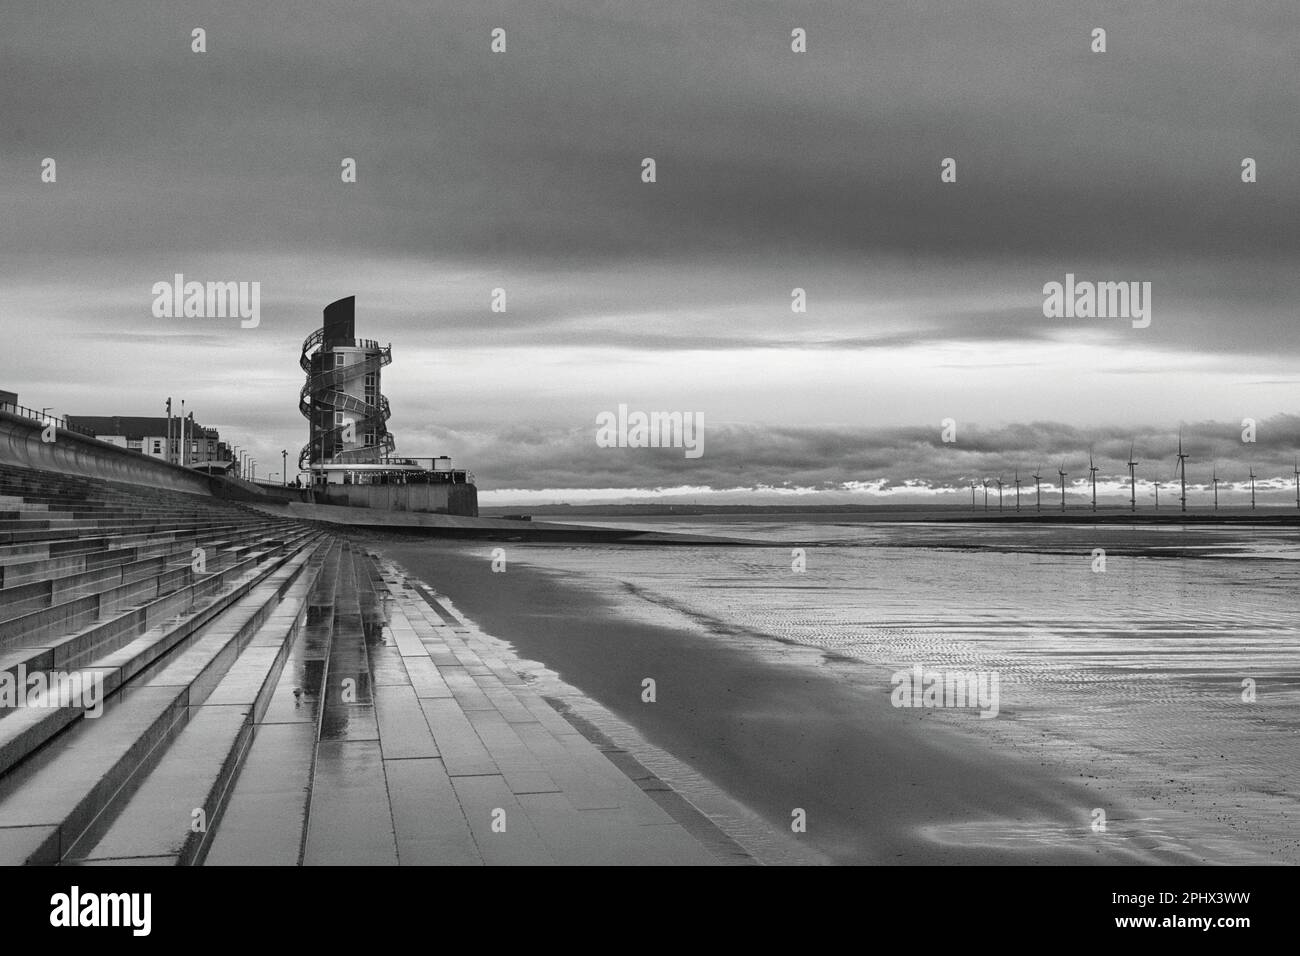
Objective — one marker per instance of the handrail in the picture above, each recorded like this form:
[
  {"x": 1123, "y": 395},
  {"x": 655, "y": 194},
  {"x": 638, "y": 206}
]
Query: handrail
[
  {"x": 309, "y": 343},
  {"x": 25, "y": 412}
]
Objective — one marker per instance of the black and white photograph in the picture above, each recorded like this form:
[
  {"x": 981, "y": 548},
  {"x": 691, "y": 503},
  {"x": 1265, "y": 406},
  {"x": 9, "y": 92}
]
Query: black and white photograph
[{"x": 687, "y": 433}]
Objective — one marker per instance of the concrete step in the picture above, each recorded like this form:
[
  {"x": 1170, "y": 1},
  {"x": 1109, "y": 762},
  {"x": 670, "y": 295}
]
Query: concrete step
[
  {"x": 52, "y": 587},
  {"x": 264, "y": 823},
  {"x": 103, "y": 608},
  {"x": 67, "y": 796},
  {"x": 12, "y": 554},
  {"x": 39, "y": 566},
  {"x": 54, "y": 537},
  {"x": 71, "y": 647},
  {"x": 115, "y": 662},
  {"x": 96, "y": 517},
  {"x": 349, "y": 820},
  {"x": 174, "y": 810}
]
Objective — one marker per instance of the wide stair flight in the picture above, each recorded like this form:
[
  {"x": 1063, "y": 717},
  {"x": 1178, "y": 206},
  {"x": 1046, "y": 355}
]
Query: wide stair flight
[{"x": 273, "y": 694}]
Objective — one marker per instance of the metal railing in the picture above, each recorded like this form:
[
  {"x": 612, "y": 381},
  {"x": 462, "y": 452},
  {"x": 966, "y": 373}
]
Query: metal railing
[
  {"x": 426, "y": 463},
  {"x": 393, "y": 471},
  {"x": 25, "y": 412},
  {"x": 444, "y": 473}
]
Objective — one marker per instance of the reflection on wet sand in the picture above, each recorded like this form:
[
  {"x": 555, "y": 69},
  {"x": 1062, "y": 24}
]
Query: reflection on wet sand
[{"x": 1125, "y": 691}]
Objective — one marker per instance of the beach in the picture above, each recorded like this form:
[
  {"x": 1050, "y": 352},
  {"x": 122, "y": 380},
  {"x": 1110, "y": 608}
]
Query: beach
[{"x": 1121, "y": 735}]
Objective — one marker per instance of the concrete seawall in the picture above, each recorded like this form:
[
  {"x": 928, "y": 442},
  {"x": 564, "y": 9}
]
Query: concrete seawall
[
  {"x": 434, "y": 498},
  {"x": 72, "y": 453}
]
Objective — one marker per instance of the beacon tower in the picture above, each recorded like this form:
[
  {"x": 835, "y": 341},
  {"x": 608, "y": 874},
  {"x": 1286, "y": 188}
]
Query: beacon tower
[{"x": 346, "y": 411}]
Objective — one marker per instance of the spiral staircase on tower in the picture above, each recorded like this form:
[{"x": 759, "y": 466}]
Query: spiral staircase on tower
[{"x": 322, "y": 390}]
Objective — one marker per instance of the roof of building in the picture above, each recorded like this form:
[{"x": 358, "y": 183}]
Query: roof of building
[{"x": 131, "y": 426}]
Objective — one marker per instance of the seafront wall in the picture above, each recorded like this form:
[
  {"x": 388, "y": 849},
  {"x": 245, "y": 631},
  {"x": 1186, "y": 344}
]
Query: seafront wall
[
  {"x": 72, "y": 453},
  {"x": 440, "y": 498}
]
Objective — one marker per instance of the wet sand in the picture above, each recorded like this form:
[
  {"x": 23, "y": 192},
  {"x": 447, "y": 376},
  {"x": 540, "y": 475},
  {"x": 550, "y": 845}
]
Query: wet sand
[{"x": 878, "y": 784}]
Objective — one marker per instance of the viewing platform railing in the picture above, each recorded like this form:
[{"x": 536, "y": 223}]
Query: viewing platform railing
[{"x": 395, "y": 471}]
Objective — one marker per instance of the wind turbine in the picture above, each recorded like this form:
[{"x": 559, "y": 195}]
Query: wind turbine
[
  {"x": 1182, "y": 465},
  {"x": 972, "y": 496},
  {"x": 999, "y": 481},
  {"x": 1157, "y": 486},
  {"x": 986, "y": 493},
  {"x": 1018, "y": 489},
  {"x": 1296, "y": 466},
  {"x": 1132, "y": 480},
  {"x": 1062, "y": 474},
  {"x": 1214, "y": 477},
  {"x": 1093, "y": 470},
  {"x": 1038, "y": 489},
  {"x": 1252, "y": 487}
]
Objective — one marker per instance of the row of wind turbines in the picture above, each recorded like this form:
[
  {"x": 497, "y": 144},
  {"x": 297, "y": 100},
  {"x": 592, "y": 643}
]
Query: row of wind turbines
[{"x": 1180, "y": 470}]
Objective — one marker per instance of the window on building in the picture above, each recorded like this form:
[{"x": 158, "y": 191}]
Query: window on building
[{"x": 157, "y": 446}]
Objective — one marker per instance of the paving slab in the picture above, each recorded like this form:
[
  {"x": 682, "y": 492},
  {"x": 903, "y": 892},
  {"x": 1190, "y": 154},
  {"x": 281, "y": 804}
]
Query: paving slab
[
  {"x": 429, "y": 824},
  {"x": 264, "y": 820},
  {"x": 349, "y": 821},
  {"x": 403, "y": 730},
  {"x": 502, "y": 830}
]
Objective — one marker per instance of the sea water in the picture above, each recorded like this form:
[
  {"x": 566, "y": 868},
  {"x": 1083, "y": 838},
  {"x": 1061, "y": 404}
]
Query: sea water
[{"x": 1169, "y": 671}]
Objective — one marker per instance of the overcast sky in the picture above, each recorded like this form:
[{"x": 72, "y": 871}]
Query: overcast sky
[{"x": 775, "y": 170}]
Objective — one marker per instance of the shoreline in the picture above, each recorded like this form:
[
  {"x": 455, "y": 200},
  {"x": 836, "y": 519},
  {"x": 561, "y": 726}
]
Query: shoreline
[
  {"x": 1271, "y": 516},
  {"x": 878, "y": 785}
]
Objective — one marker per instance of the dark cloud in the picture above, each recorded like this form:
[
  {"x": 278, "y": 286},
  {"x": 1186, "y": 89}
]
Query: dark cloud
[
  {"x": 1130, "y": 154},
  {"x": 831, "y": 459},
  {"x": 775, "y": 170}
]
